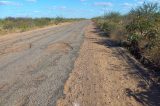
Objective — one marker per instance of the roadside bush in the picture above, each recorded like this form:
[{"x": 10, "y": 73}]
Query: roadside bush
[
  {"x": 112, "y": 25},
  {"x": 143, "y": 28},
  {"x": 17, "y": 23},
  {"x": 139, "y": 30},
  {"x": 42, "y": 22}
]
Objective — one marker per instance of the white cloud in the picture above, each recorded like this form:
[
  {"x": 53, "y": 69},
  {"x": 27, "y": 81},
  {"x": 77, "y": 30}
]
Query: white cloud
[
  {"x": 4, "y": 2},
  {"x": 58, "y": 8},
  {"x": 31, "y": 0},
  {"x": 103, "y": 4},
  {"x": 139, "y": 0},
  {"x": 142, "y": 1},
  {"x": 9, "y": 3},
  {"x": 128, "y": 5},
  {"x": 61, "y": 7},
  {"x": 83, "y": 0},
  {"x": 155, "y": 1}
]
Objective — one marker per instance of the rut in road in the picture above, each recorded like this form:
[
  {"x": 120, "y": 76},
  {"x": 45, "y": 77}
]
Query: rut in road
[{"x": 34, "y": 66}]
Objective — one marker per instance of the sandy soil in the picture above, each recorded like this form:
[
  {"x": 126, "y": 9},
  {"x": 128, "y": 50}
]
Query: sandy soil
[{"x": 103, "y": 77}]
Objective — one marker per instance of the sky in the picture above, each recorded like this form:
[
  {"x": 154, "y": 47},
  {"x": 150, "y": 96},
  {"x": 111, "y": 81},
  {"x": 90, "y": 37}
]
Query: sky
[{"x": 65, "y": 8}]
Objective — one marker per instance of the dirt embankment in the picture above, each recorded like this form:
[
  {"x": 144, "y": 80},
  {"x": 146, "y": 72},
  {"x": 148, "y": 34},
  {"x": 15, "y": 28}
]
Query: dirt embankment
[{"x": 103, "y": 77}]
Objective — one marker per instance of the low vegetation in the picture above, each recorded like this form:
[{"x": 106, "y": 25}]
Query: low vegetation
[
  {"x": 138, "y": 30},
  {"x": 11, "y": 24}
]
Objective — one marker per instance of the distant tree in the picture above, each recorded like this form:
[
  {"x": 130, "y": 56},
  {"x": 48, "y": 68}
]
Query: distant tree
[{"x": 59, "y": 19}]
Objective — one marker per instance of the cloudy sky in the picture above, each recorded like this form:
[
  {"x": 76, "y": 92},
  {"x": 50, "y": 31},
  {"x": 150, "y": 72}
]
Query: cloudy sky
[{"x": 65, "y": 8}]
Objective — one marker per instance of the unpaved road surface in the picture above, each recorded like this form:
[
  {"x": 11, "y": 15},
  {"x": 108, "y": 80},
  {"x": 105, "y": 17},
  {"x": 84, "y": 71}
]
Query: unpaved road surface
[
  {"x": 35, "y": 65},
  {"x": 107, "y": 75}
]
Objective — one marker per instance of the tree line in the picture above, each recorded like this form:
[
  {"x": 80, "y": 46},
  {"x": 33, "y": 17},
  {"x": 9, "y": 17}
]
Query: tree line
[{"x": 20, "y": 24}]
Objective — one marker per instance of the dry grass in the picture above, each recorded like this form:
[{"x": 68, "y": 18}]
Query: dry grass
[{"x": 10, "y": 24}]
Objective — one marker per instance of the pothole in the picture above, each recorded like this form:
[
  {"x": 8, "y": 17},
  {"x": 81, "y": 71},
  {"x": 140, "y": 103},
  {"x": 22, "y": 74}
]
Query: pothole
[
  {"x": 59, "y": 47},
  {"x": 16, "y": 48}
]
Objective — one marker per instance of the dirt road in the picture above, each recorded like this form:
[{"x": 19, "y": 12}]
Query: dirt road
[{"x": 35, "y": 65}]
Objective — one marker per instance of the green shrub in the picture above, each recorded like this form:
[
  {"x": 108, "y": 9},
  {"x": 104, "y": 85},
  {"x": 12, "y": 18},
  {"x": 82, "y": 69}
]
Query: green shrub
[
  {"x": 143, "y": 25},
  {"x": 140, "y": 27},
  {"x": 111, "y": 24}
]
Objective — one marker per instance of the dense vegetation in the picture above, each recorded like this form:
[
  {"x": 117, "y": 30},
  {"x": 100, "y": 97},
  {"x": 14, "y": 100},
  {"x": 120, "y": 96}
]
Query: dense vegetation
[
  {"x": 139, "y": 31},
  {"x": 11, "y": 24}
]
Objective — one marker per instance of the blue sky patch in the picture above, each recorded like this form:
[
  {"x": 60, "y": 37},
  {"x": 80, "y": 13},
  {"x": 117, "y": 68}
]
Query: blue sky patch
[{"x": 65, "y": 8}]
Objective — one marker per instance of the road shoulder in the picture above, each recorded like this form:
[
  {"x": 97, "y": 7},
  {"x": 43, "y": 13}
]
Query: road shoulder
[{"x": 100, "y": 76}]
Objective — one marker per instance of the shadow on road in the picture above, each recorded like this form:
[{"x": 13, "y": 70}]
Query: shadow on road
[{"x": 150, "y": 94}]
